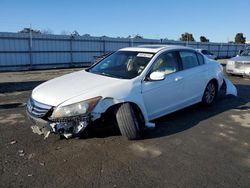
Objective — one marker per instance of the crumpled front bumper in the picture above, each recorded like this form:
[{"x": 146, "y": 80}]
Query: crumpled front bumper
[
  {"x": 66, "y": 127},
  {"x": 40, "y": 127}
]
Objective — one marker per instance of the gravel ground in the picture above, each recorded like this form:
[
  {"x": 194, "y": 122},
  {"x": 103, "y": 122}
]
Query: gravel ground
[{"x": 195, "y": 147}]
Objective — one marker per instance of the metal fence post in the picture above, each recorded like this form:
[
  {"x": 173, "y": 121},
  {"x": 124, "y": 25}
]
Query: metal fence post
[
  {"x": 218, "y": 50},
  {"x": 103, "y": 46},
  {"x": 30, "y": 50},
  {"x": 71, "y": 49},
  {"x": 227, "y": 49}
]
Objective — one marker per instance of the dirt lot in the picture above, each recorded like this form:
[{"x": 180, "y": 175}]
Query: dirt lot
[{"x": 195, "y": 147}]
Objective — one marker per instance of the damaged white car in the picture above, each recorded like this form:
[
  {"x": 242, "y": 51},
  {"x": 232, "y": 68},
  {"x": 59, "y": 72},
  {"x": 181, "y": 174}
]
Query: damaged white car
[{"x": 136, "y": 84}]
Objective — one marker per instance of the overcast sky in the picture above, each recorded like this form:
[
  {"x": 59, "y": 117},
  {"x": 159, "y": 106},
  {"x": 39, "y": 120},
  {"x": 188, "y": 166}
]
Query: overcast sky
[{"x": 218, "y": 20}]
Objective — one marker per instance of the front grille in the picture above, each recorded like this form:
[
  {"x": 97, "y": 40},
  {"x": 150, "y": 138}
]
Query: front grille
[{"x": 37, "y": 109}]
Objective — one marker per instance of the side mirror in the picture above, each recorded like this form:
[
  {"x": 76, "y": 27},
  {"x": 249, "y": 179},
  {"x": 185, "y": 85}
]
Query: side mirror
[{"x": 156, "y": 76}]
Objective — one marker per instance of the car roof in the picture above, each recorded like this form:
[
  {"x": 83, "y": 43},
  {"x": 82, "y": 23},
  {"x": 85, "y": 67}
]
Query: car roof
[
  {"x": 154, "y": 48},
  {"x": 200, "y": 49}
]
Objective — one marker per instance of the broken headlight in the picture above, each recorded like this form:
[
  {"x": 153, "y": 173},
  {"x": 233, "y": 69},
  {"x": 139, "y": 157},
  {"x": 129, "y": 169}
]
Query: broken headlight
[{"x": 76, "y": 109}]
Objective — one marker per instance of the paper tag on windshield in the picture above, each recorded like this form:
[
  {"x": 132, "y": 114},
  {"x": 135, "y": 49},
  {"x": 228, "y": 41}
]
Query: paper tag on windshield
[{"x": 144, "y": 55}]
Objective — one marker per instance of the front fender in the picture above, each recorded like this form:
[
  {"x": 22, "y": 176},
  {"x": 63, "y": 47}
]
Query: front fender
[{"x": 104, "y": 104}]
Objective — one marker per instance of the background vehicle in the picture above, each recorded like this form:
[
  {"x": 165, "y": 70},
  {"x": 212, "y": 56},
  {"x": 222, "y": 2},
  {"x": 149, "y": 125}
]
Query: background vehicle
[
  {"x": 239, "y": 65},
  {"x": 136, "y": 85},
  {"x": 207, "y": 53}
]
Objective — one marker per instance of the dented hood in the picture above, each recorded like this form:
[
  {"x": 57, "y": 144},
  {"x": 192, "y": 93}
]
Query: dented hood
[{"x": 58, "y": 90}]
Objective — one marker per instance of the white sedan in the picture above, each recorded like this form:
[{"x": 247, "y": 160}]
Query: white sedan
[
  {"x": 135, "y": 84},
  {"x": 239, "y": 65}
]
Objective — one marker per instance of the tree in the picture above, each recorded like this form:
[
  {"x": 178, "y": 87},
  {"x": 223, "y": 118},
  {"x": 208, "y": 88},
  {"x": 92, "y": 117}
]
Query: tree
[
  {"x": 30, "y": 30},
  {"x": 203, "y": 39},
  {"x": 47, "y": 31},
  {"x": 64, "y": 32},
  {"x": 187, "y": 37},
  {"x": 86, "y": 35},
  {"x": 75, "y": 33},
  {"x": 138, "y": 36},
  {"x": 239, "y": 38}
]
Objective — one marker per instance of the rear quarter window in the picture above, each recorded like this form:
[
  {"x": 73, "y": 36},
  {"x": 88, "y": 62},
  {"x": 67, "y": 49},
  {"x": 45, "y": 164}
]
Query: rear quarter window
[{"x": 200, "y": 59}]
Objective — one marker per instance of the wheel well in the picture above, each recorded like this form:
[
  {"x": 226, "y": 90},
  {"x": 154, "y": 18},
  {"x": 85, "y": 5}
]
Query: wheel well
[
  {"x": 215, "y": 82},
  {"x": 135, "y": 107},
  {"x": 138, "y": 112}
]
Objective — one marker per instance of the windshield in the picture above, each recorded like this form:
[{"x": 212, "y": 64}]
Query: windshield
[
  {"x": 245, "y": 53},
  {"x": 122, "y": 64}
]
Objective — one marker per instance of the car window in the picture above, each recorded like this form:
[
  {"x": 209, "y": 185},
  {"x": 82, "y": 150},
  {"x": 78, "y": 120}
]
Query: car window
[
  {"x": 189, "y": 59},
  {"x": 166, "y": 63},
  {"x": 210, "y": 53},
  {"x": 245, "y": 53},
  {"x": 122, "y": 64},
  {"x": 204, "y": 52},
  {"x": 200, "y": 59}
]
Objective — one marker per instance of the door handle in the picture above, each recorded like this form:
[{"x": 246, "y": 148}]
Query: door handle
[{"x": 178, "y": 78}]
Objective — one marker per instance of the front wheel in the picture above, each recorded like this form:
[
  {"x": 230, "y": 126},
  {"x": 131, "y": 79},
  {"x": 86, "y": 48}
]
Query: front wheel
[
  {"x": 127, "y": 121},
  {"x": 210, "y": 93}
]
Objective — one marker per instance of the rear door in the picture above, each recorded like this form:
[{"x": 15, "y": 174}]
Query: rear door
[{"x": 194, "y": 76}]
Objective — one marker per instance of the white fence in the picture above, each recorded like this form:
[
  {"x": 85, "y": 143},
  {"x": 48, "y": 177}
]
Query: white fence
[{"x": 30, "y": 51}]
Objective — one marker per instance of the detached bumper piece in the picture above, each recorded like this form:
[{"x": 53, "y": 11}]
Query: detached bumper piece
[
  {"x": 38, "y": 113},
  {"x": 230, "y": 88}
]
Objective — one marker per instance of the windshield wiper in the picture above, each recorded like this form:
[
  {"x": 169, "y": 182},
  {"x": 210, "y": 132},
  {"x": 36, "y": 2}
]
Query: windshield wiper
[{"x": 109, "y": 75}]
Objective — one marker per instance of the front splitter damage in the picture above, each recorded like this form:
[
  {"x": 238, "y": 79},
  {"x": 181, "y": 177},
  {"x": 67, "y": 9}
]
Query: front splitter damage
[{"x": 66, "y": 128}]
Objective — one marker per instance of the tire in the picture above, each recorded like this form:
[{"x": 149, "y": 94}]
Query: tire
[
  {"x": 210, "y": 93},
  {"x": 127, "y": 121}
]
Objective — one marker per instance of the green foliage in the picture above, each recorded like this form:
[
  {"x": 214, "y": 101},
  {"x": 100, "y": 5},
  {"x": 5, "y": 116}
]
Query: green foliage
[
  {"x": 29, "y": 30},
  {"x": 187, "y": 37},
  {"x": 239, "y": 38},
  {"x": 203, "y": 39}
]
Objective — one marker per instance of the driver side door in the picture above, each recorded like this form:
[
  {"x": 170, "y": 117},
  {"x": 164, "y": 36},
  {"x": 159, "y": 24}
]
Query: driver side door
[{"x": 163, "y": 96}]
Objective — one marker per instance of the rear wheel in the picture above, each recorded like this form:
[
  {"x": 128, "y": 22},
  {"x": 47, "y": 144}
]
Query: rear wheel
[
  {"x": 210, "y": 93},
  {"x": 127, "y": 121}
]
